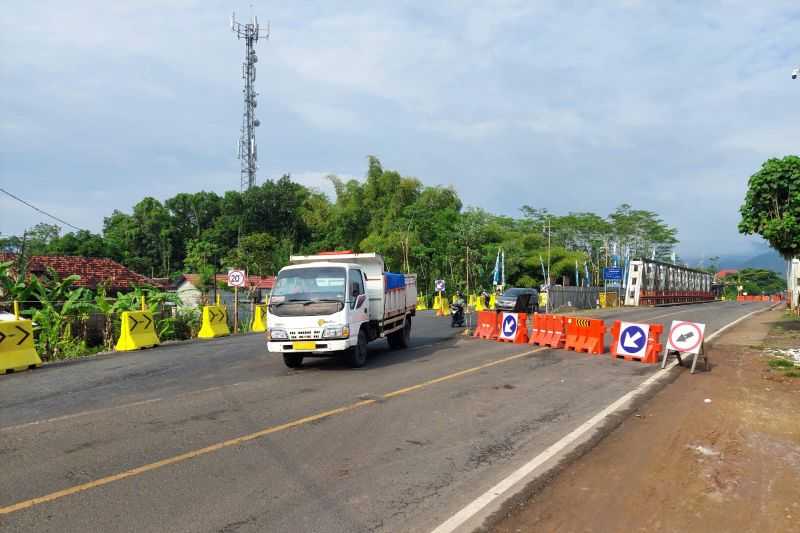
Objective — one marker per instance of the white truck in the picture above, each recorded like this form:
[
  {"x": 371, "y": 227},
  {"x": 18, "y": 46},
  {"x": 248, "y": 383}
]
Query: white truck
[{"x": 335, "y": 303}]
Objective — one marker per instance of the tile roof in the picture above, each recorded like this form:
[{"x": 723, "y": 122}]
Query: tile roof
[
  {"x": 255, "y": 282},
  {"x": 93, "y": 271}
]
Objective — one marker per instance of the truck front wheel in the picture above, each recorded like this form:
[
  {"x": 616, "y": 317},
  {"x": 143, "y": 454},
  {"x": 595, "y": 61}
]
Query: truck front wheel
[
  {"x": 356, "y": 356},
  {"x": 402, "y": 337},
  {"x": 293, "y": 360}
]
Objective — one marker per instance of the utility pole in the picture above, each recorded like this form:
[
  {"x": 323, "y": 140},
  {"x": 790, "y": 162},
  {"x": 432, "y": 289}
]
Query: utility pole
[
  {"x": 547, "y": 281},
  {"x": 247, "y": 149}
]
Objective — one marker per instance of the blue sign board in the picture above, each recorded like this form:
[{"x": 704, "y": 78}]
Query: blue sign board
[
  {"x": 612, "y": 273},
  {"x": 632, "y": 339},
  {"x": 509, "y": 326}
]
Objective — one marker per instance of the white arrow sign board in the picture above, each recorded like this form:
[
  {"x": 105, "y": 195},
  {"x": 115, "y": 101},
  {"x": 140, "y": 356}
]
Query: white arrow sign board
[
  {"x": 508, "y": 327},
  {"x": 236, "y": 278},
  {"x": 686, "y": 337},
  {"x": 633, "y": 339}
]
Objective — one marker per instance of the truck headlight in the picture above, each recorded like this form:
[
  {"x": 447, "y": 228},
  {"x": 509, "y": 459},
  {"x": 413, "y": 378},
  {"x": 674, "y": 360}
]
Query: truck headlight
[
  {"x": 278, "y": 335},
  {"x": 335, "y": 332}
]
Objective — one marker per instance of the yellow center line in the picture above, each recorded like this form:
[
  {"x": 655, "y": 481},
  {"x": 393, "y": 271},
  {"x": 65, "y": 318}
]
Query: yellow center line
[{"x": 25, "y": 504}]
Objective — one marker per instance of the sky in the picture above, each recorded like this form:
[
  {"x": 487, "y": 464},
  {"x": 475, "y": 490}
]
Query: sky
[{"x": 568, "y": 106}]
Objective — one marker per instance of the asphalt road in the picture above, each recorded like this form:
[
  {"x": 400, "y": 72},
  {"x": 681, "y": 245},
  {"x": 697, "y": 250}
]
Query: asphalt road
[{"x": 220, "y": 436}]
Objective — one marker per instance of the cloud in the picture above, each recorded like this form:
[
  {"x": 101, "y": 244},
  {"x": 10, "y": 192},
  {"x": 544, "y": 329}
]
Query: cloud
[{"x": 668, "y": 106}]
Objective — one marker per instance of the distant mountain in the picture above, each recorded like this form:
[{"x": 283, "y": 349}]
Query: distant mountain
[
  {"x": 763, "y": 258},
  {"x": 770, "y": 260}
]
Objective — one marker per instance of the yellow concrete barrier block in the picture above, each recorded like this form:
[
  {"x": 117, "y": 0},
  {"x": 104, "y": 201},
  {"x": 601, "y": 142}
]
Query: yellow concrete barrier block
[
  {"x": 17, "y": 351},
  {"x": 479, "y": 304},
  {"x": 259, "y": 319},
  {"x": 138, "y": 330},
  {"x": 492, "y": 300},
  {"x": 440, "y": 305},
  {"x": 215, "y": 322},
  {"x": 422, "y": 303}
]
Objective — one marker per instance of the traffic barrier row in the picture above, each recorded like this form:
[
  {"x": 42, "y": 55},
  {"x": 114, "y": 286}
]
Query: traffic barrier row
[
  {"x": 642, "y": 342},
  {"x": 761, "y": 298}
]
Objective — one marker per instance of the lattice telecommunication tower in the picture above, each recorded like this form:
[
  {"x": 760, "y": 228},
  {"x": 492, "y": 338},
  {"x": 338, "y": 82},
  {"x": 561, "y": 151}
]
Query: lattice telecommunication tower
[{"x": 247, "y": 149}]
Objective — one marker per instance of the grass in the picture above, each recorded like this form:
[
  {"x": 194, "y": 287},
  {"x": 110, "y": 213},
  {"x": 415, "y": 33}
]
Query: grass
[{"x": 780, "y": 363}]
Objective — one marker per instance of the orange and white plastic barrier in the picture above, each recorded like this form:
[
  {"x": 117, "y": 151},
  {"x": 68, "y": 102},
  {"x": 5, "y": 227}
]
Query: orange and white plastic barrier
[
  {"x": 636, "y": 342},
  {"x": 585, "y": 335},
  {"x": 549, "y": 330},
  {"x": 486, "y": 327},
  {"x": 512, "y": 327}
]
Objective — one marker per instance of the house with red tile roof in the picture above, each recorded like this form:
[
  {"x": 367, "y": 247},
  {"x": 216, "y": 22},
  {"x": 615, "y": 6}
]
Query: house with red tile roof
[
  {"x": 187, "y": 287},
  {"x": 93, "y": 271}
]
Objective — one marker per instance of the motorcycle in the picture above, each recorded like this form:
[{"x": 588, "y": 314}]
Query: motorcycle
[{"x": 456, "y": 315}]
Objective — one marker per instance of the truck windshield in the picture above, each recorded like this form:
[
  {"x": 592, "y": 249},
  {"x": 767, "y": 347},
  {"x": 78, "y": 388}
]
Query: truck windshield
[{"x": 309, "y": 291}]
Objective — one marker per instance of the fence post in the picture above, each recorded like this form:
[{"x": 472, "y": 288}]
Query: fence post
[
  {"x": 143, "y": 305},
  {"x": 16, "y": 310}
]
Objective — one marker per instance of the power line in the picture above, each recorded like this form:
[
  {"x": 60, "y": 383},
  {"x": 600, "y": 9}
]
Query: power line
[{"x": 17, "y": 198}]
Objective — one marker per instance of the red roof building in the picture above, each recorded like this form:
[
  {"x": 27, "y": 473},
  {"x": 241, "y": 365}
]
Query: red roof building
[
  {"x": 187, "y": 288},
  {"x": 253, "y": 282},
  {"x": 93, "y": 271},
  {"x": 726, "y": 272}
]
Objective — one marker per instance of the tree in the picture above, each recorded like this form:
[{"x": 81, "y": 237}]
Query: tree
[
  {"x": 760, "y": 281},
  {"x": 258, "y": 253},
  {"x": 82, "y": 243},
  {"x": 772, "y": 205}
]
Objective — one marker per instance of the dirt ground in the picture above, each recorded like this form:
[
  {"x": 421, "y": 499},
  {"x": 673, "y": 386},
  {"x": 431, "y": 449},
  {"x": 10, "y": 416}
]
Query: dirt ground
[{"x": 683, "y": 464}]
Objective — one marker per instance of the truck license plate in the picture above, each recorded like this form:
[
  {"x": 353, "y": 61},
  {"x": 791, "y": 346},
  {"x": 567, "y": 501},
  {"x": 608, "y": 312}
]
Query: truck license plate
[{"x": 304, "y": 345}]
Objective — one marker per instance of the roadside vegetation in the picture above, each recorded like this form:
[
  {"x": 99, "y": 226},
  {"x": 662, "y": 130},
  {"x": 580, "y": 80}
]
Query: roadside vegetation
[
  {"x": 417, "y": 228},
  {"x": 783, "y": 348},
  {"x": 74, "y": 321},
  {"x": 754, "y": 281}
]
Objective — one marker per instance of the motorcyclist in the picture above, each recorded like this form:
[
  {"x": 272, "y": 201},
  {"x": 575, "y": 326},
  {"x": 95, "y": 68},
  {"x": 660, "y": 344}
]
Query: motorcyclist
[
  {"x": 486, "y": 298},
  {"x": 460, "y": 299},
  {"x": 457, "y": 310}
]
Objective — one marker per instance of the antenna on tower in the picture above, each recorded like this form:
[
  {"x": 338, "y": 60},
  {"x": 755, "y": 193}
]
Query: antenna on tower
[{"x": 247, "y": 150}]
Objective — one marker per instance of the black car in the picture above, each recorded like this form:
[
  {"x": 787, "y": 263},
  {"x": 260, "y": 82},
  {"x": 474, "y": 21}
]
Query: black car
[{"x": 518, "y": 299}]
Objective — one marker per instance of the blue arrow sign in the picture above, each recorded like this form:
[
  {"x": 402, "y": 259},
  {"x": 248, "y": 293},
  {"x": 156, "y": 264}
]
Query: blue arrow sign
[
  {"x": 632, "y": 339},
  {"x": 509, "y": 325}
]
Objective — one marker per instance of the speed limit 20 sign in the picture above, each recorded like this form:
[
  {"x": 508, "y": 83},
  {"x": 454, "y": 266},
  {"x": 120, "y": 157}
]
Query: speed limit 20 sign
[{"x": 236, "y": 278}]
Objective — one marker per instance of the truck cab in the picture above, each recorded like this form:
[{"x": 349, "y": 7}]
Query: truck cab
[{"x": 336, "y": 303}]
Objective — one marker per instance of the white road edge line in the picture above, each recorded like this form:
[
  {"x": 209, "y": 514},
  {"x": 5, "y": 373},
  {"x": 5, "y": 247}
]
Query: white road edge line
[{"x": 481, "y": 502}]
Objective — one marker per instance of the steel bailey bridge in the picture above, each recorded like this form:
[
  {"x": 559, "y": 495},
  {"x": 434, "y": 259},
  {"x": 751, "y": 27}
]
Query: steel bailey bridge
[{"x": 654, "y": 283}]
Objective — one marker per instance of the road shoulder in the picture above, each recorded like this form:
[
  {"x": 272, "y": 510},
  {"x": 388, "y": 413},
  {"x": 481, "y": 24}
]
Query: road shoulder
[{"x": 683, "y": 464}]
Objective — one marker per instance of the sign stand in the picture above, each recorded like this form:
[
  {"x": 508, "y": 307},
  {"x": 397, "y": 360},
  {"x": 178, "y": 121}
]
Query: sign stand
[
  {"x": 677, "y": 354},
  {"x": 236, "y": 279}
]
